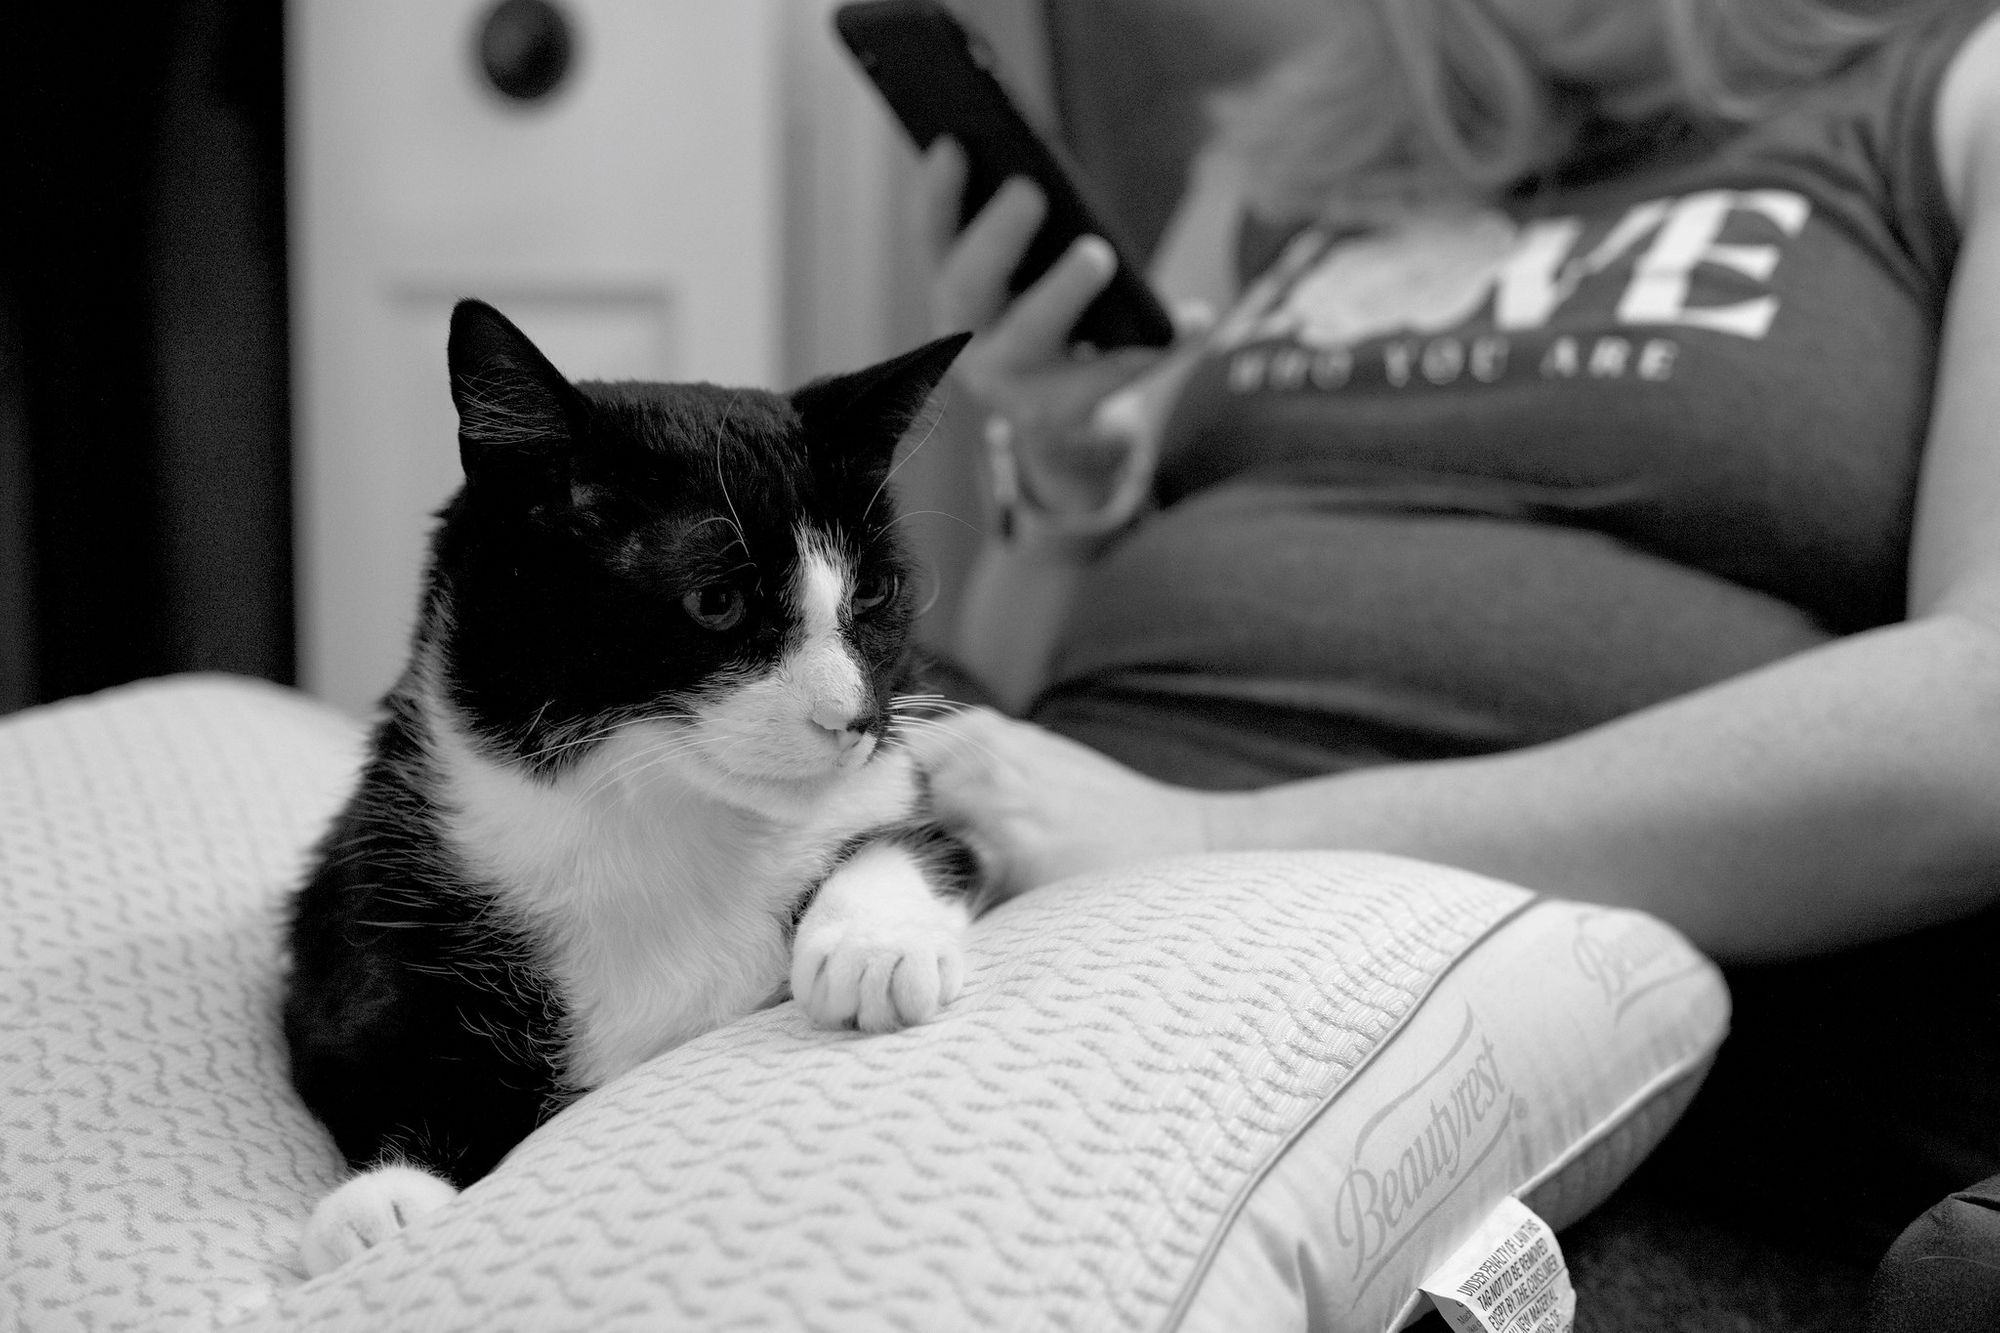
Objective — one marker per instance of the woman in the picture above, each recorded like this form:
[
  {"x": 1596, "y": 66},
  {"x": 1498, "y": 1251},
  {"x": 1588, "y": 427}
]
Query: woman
[
  {"x": 1601, "y": 491},
  {"x": 1708, "y": 624}
]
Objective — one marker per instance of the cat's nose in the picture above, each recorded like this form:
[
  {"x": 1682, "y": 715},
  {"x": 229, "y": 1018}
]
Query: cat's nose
[{"x": 847, "y": 727}]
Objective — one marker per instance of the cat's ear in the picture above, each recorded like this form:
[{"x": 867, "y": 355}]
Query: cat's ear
[
  {"x": 516, "y": 413},
  {"x": 874, "y": 408}
]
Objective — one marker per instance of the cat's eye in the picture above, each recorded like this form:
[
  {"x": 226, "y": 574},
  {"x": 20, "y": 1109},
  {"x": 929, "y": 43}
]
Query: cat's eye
[
  {"x": 871, "y": 591},
  {"x": 716, "y": 607}
]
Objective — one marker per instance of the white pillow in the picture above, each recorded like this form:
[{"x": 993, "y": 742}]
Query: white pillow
[
  {"x": 1175, "y": 1097},
  {"x": 154, "y": 1162}
]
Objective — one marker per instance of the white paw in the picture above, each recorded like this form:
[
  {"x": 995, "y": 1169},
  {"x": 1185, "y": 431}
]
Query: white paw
[
  {"x": 366, "y": 1211},
  {"x": 877, "y": 975}
]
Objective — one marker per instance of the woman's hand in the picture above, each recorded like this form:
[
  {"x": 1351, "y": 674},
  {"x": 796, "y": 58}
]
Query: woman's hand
[
  {"x": 1020, "y": 366},
  {"x": 1037, "y": 807}
]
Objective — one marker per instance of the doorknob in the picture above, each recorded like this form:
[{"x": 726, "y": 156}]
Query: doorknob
[{"x": 524, "y": 48}]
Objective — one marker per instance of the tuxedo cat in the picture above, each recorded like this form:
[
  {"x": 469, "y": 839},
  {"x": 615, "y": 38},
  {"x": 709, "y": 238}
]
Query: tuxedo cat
[{"x": 641, "y": 771}]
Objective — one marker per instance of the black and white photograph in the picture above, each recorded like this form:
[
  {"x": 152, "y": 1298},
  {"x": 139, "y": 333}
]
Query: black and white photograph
[{"x": 1159, "y": 666}]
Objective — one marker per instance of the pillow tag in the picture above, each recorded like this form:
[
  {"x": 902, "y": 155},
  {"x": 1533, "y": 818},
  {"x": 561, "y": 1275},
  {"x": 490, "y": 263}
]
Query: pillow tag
[{"x": 1509, "y": 1277}]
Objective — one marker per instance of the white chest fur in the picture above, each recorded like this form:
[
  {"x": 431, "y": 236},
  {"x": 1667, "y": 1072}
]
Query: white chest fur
[{"x": 660, "y": 910}]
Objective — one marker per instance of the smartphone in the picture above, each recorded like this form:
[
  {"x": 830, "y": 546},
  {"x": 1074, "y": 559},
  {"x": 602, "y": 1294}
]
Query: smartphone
[{"x": 938, "y": 79}]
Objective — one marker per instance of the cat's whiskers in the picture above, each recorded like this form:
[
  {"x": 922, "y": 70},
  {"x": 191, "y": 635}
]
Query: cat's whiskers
[
  {"x": 930, "y": 699},
  {"x": 555, "y": 748},
  {"x": 883, "y": 531},
  {"x": 910, "y": 714},
  {"x": 721, "y": 478},
  {"x": 923, "y": 722},
  {"x": 731, "y": 524},
  {"x": 930, "y": 429},
  {"x": 937, "y": 591},
  {"x": 882, "y": 534},
  {"x": 631, "y": 771},
  {"x": 953, "y": 738},
  {"x": 646, "y": 759},
  {"x": 632, "y": 780}
]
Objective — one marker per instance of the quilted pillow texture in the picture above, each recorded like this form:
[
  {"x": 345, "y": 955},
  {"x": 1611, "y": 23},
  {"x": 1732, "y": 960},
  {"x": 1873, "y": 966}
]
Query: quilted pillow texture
[{"x": 1227, "y": 1092}]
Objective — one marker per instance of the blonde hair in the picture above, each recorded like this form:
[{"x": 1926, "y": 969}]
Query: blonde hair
[{"x": 1411, "y": 102}]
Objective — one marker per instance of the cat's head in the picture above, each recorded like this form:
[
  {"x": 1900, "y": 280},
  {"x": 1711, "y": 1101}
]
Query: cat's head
[{"x": 722, "y": 564}]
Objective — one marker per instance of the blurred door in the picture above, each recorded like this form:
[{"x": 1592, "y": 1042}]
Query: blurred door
[{"x": 629, "y": 218}]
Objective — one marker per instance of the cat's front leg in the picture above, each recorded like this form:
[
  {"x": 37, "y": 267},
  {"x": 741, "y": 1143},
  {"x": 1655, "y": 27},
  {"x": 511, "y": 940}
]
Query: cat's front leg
[{"x": 882, "y": 946}]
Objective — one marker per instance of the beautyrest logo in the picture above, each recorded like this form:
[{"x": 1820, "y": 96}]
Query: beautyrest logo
[
  {"x": 1432, "y": 1135},
  {"x": 1628, "y": 957}
]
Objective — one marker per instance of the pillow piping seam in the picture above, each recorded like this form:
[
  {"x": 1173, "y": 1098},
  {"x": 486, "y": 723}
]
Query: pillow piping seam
[{"x": 1225, "y": 1223}]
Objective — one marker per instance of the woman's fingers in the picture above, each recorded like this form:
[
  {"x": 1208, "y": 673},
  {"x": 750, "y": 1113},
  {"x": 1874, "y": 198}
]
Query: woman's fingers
[
  {"x": 1193, "y": 317},
  {"x": 961, "y": 754},
  {"x": 940, "y": 195},
  {"x": 1039, "y": 807},
  {"x": 1036, "y": 328},
  {"x": 971, "y": 287},
  {"x": 1021, "y": 364}
]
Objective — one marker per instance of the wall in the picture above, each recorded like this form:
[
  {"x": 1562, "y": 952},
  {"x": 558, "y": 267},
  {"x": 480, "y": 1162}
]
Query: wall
[{"x": 713, "y": 193}]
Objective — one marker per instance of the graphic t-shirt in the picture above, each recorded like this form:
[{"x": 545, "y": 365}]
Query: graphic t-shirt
[{"x": 1486, "y": 478}]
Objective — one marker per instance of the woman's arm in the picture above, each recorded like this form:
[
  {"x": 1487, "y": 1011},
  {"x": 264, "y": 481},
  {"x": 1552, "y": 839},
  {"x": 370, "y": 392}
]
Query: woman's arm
[
  {"x": 1844, "y": 794},
  {"x": 1015, "y": 601},
  {"x": 1021, "y": 370}
]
